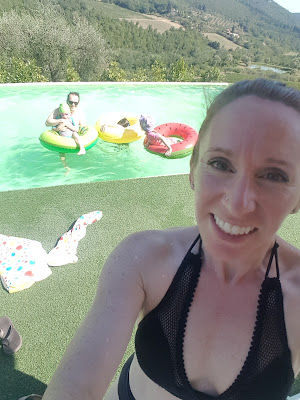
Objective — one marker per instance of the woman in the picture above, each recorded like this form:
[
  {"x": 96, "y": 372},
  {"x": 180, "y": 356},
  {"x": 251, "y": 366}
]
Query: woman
[{"x": 219, "y": 313}]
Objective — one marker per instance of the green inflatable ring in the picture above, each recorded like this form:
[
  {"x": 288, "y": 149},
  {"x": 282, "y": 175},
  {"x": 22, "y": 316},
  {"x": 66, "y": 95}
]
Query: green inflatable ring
[{"x": 52, "y": 140}]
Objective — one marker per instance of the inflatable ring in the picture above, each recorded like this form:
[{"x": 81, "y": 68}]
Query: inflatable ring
[
  {"x": 187, "y": 139},
  {"x": 53, "y": 141},
  {"x": 110, "y": 131}
]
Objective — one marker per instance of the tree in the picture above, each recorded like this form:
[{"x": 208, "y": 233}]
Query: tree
[
  {"x": 211, "y": 75},
  {"x": 46, "y": 37},
  {"x": 182, "y": 72},
  {"x": 214, "y": 44},
  {"x": 158, "y": 72},
  {"x": 246, "y": 60},
  {"x": 114, "y": 73}
]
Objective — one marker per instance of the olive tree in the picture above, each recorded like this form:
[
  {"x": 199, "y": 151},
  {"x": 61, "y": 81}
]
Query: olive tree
[{"x": 45, "y": 36}]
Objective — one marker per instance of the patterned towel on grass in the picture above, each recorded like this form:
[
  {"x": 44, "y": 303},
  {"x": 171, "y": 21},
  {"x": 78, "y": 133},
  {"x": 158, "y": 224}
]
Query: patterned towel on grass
[
  {"x": 24, "y": 262},
  {"x": 65, "y": 250}
]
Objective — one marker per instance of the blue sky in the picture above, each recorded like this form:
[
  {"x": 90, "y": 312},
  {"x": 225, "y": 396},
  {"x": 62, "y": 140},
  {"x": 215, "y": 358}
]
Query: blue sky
[{"x": 291, "y": 5}]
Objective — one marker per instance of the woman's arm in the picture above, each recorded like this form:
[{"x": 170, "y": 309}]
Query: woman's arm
[{"x": 97, "y": 348}]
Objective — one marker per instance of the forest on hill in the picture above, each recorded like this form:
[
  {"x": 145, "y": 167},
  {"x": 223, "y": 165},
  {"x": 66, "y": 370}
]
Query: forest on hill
[{"x": 91, "y": 40}]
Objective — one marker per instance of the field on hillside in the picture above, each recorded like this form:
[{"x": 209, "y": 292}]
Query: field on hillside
[
  {"x": 158, "y": 23},
  {"x": 226, "y": 43},
  {"x": 111, "y": 10}
]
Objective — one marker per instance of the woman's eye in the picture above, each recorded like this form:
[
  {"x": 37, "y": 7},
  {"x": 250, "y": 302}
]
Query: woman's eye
[
  {"x": 219, "y": 164},
  {"x": 276, "y": 176}
]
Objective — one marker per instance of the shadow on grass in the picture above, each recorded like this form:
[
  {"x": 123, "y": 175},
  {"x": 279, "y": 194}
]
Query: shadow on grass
[
  {"x": 296, "y": 387},
  {"x": 15, "y": 384}
]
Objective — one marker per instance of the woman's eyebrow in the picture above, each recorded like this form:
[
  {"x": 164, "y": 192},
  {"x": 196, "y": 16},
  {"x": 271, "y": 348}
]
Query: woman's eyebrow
[
  {"x": 228, "y": 152},
  {"x": 278, "y": 161}
]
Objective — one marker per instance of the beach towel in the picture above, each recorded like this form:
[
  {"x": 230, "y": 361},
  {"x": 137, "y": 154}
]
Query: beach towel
[
  {"x": 66, "y": 248},
  {"x": 24, "y": 261}
]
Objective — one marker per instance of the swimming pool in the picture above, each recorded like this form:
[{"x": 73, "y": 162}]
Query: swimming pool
[{"x": 24, "y": 163}]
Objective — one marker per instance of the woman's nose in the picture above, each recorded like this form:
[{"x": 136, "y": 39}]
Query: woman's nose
[{"x": 241, "y": 195}]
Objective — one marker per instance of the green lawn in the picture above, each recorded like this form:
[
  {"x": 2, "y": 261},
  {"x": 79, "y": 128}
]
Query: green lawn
[{"x": 48, "y": 313}]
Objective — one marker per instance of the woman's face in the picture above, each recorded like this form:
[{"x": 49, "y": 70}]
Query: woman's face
[{"x": 247, "y": 177}]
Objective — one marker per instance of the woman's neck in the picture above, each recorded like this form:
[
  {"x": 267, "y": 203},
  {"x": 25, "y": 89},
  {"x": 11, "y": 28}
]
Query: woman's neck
[{"x": 236, "y": 270}]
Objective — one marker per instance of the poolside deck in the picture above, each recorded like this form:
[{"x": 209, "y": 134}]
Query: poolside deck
[{"x": 48, "y": 313}]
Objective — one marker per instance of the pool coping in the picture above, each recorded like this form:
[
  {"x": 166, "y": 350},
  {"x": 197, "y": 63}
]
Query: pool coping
[{"x": 114, "y": 83}]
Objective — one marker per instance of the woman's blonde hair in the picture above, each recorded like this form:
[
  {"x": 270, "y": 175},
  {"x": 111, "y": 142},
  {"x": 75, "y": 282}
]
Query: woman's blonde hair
[{"x": 263, "y": 88}]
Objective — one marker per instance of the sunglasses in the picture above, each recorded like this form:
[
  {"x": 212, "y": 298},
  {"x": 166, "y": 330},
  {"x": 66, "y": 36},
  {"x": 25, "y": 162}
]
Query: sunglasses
[{"x": 75, "y": 103}]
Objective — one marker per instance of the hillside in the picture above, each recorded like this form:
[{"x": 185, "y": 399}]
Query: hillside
[
  {"x": 251, "y": 18},
  {"x": 184, "y": 40}
]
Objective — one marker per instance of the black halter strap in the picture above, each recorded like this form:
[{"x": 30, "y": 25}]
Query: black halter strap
[
  {"x": 194, "y": 242},
  {"x": 273, "y": 253}
]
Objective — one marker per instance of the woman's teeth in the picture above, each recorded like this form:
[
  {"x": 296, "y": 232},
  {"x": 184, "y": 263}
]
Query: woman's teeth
[{"x": 232, "y": 229}]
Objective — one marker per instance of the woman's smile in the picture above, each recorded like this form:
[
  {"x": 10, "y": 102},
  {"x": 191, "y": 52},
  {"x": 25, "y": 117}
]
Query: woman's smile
[{"x": 232, "y": 229}]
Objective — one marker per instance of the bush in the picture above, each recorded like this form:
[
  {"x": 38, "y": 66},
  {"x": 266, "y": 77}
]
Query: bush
[{"x": 17, "y": 70}]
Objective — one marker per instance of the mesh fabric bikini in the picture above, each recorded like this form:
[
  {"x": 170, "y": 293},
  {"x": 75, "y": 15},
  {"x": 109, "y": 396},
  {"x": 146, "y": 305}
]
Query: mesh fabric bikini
[{"x": 267, "y": 373}]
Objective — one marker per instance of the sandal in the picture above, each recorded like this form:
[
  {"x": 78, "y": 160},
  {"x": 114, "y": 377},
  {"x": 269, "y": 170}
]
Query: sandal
[{"x": 11, "y": 340}]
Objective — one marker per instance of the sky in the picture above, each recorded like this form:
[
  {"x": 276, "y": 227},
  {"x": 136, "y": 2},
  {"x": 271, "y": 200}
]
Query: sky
[{"x": 291, "y": 5}]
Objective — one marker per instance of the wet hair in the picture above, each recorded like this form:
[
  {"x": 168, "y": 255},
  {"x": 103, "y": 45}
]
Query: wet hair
[
  {"x": 74, "y": 94},
  {"x": 263, "y": 88}
]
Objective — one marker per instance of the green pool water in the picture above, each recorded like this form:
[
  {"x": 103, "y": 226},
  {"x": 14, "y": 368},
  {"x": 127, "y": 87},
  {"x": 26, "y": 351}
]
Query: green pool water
[{"x": 24, "y": 163}]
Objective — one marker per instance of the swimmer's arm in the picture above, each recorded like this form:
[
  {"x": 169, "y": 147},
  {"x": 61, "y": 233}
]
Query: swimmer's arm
[
  {"x": 52, "y": 120},
  {"x": 96, "y": 351}
]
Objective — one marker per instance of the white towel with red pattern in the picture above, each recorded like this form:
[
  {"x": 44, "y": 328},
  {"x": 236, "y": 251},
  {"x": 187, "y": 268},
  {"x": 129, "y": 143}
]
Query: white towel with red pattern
[{"x": 24, "y": 261}]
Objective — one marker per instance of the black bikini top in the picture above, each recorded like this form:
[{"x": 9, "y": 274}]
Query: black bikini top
[{"x": 267, "y": 372}]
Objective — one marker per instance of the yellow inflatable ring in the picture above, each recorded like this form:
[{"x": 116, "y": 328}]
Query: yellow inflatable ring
[
  {"x": 110, "y": 131},
  {"x": 53, "y": 141}
]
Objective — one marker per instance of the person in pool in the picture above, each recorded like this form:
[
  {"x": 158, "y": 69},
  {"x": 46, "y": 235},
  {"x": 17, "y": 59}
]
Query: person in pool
[
  {"x": 68, "y": 127},
  {"x": 154, "y": 137},
  {"x": 218, "y": 302},
  {"x": 73, "y": 100}
]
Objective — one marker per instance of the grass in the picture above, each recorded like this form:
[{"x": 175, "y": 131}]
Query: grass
[{"x": 48, "y": 313}]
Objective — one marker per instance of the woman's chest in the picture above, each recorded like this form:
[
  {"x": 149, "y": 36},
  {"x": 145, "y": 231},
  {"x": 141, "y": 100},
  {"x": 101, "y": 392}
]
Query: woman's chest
[{"x": 218, "y": 335}]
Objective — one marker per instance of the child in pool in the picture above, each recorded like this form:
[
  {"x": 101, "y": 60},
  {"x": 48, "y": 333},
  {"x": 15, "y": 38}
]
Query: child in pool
[
  {"x": 69, "y": 128},
  {"x": 153, "y": 137}
]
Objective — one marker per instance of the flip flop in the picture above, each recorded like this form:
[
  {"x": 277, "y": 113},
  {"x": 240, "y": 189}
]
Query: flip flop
[
  {"x": 10, "y": 338},
  {"x": 31, "y": 397}
]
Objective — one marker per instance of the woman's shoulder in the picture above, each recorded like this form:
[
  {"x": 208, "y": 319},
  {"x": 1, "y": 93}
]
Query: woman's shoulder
[
  {"x": 152, "y": 253},
  {"x": 156, "y": 243},
  {"x": 156, "y": 255}
]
